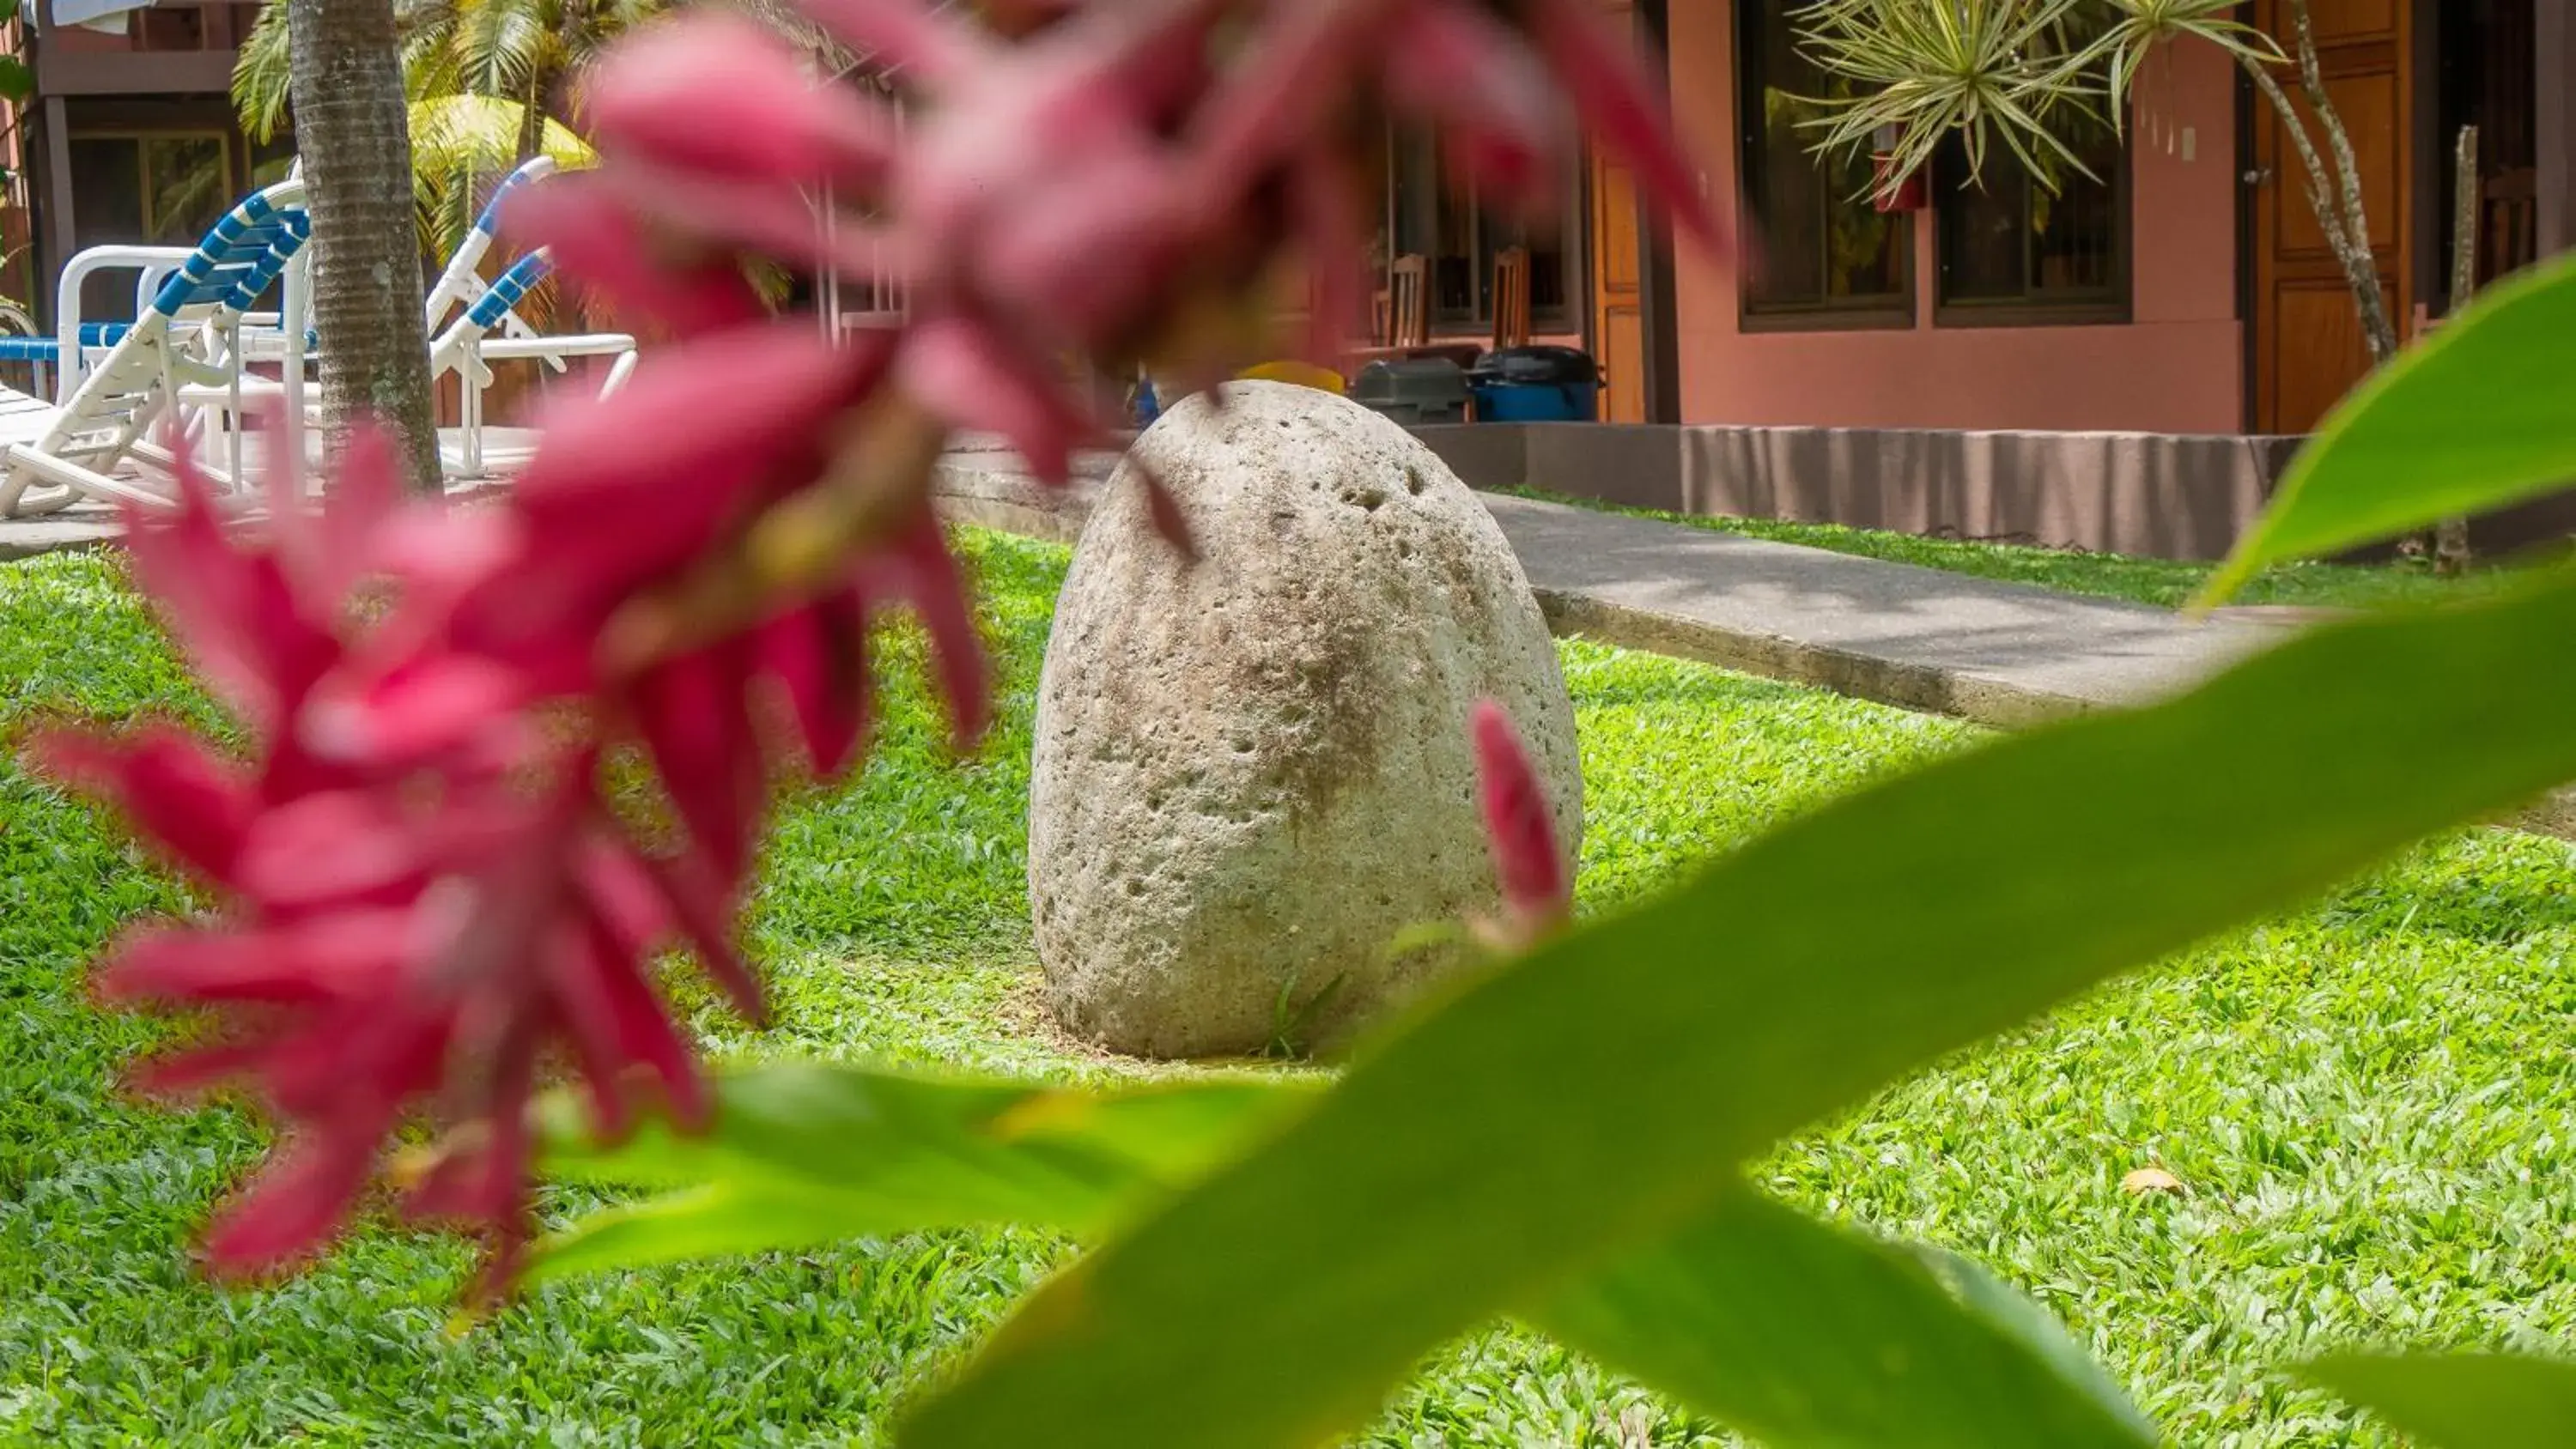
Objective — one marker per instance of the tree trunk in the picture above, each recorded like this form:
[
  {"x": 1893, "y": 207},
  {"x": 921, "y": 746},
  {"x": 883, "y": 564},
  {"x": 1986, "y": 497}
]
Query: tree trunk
[
  {"x": 2334, "y": 194},
  {"x": 2451, "y": 535},
  {"x": 345, "y": 78}
]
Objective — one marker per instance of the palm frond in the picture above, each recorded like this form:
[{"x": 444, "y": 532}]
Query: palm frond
[
  {"x": 504, "y": 47},
  {"x": 2140, "y": 26},
  {"x": 429, "y": 60},
  {"x": 456, "y": 131},
  {"x": 260, "y": 74},
  {"x": 457, "y": 141}
]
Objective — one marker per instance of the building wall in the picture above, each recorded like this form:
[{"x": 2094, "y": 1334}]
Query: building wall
[{"x": 2176, "y": 366}]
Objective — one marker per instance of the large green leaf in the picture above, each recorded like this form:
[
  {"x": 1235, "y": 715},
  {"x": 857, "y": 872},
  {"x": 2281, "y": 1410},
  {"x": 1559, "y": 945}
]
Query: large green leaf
[
  {"x": 1806, "y": 1335},
  {"x": 2461, "y": 1401},
  {"x": 2476, "y": 418},
  {"x": 1595, "y": 1095},
  {"x": 803, "y": 1154}
]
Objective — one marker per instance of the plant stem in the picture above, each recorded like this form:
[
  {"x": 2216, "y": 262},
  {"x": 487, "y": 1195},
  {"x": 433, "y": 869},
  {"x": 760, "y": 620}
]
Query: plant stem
[{"x": 2451, "y": 535}]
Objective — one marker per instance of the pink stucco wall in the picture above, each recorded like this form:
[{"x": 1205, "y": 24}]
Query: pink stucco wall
[{"x": 2177, "y": 366}]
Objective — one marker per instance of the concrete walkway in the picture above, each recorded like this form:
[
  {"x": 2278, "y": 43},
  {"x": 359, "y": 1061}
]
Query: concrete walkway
[{"x": 2001, "y": 654}]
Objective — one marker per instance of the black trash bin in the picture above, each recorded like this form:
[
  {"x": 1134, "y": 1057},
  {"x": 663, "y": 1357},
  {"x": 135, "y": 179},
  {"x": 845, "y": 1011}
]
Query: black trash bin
[
  {"x": 1414, "y": 390},
  {"x": 1536, "y": 385}
]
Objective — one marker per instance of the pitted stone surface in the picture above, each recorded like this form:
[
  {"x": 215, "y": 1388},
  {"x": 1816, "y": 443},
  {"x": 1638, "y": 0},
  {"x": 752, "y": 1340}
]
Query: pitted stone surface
[{"x": 1254, "y": 774}]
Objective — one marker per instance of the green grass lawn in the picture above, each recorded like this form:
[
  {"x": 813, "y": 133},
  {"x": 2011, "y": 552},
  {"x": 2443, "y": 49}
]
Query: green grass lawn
[
  {"x": 2162, "y": 582},
  {"x": 2368, "y": 1103}
]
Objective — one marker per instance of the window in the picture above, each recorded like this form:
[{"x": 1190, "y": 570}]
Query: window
[
  {"x": 1823, "y": 248},
  {"x": 156, "y": 189},
  {"x": 2011, "y": 247},
  {"x": 1433, "y": 211}
]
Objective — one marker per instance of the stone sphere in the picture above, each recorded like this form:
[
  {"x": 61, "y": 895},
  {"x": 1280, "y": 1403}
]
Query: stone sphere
[{"x": 1253, "y": 773}]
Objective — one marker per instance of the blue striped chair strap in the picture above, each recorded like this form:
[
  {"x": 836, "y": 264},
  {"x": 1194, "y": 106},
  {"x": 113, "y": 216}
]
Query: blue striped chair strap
[
  {"x": 239, "y": 258},
  {"x": 489, "y": 223},
  {"x": 508, "y": 290},
  {"x": 46, "y": 349}
]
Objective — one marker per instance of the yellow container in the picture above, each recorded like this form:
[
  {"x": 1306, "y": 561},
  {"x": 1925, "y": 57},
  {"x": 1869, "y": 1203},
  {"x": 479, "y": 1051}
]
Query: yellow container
[{"x": 1299, "y": 374}]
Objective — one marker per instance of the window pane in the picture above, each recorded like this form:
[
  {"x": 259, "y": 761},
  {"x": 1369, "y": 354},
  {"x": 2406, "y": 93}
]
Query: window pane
[
  {"x": 1454, "y": 285},
  {"x": 1821, "y": 241},
  {"x": 1545, "y": 239},
  {"x": 1982, "y": 226},
  {"x": 1435, "y": 214},
  {"x": 2011, "y": 239},
  {"x": 2075, "y": 235},
  {"x": 107, "y": 209},
  {"x": 188, "y": 189}
]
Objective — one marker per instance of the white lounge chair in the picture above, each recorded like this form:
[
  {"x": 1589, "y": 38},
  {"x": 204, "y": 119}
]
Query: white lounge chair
[
  {"x": 188, "y": 337},
  {"x": 477, "y": 340},
  {"x": 489, "y": 329}
]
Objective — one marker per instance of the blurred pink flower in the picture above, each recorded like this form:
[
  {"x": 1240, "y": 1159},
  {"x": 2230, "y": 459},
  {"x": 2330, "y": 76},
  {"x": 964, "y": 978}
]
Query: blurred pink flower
[
  {"x": 428, "y": 895},
  {"x": 1530, "y": 864},
  {"x": 402, "y": 934}
]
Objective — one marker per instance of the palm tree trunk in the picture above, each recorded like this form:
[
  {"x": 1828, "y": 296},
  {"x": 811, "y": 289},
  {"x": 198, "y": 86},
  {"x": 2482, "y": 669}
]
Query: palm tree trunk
[{"x": 351, "y": 130}]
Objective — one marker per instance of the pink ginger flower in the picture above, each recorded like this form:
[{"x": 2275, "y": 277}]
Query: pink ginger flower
[
  {"x": 386, "y": 917},
  {"x": 1529, "y": 863},
  {"x": 428, "y": 900}
]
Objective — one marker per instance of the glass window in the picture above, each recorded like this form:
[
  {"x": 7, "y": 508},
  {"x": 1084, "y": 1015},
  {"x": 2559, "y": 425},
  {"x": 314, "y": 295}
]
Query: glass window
[
  {"x": 1820, "y": 245},
  {"x": 1433, "y": 211},
  {"x": 155, "y": 189},
  {"x": 2007, "y": 241}
]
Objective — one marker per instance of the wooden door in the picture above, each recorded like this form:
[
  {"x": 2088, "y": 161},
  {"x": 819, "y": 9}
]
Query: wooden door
[
  {"x": 1618, "y": 293},
  {"x": 2308, "y": 344},
  {"x": 1618, "y": 281}
]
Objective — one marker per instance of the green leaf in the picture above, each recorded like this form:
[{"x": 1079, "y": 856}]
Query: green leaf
[
  {"x": 2461, "y": 1401},
  {"x": 1802, "y": 1334},
  {"x": 2474, "y": 419},
  {"x": 801, "y": 1154},
  {"x": 17, "y": 82},
  {"x": 729, "y": 1219},
  {"x": 1593, "y": 1096}
]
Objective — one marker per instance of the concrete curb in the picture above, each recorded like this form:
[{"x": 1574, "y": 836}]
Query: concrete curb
[
  {"x": 26, "y": 538},
  {"x": 1921, "y": 688}
]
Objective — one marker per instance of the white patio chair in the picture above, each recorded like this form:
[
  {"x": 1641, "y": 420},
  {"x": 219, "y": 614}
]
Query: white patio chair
[{"x": 188, "y": 337}]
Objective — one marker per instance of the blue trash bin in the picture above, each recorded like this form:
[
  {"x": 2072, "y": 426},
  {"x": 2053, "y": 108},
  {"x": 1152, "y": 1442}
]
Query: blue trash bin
[{"x": 1536, "y": 385}]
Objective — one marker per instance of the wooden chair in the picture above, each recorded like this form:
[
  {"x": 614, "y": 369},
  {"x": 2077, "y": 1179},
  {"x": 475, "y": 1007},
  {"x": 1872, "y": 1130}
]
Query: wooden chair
[
  {"x": 1511, "y": 298},
  {"x": 1408, "y": 309},
  {"x": 2509, "y": 224},
  {"x": 1404, "y": 320}
]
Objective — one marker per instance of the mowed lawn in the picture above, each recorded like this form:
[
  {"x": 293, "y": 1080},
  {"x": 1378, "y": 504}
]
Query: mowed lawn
[{"x": 2367, "y": 1104}]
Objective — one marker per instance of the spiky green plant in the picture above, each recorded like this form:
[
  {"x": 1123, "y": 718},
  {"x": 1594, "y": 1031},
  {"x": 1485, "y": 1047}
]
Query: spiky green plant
[
  {"x": 2020, "y": 69},
  {"x": 1922, "y": 69},
  {"x": 2021, "y": 72}
]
